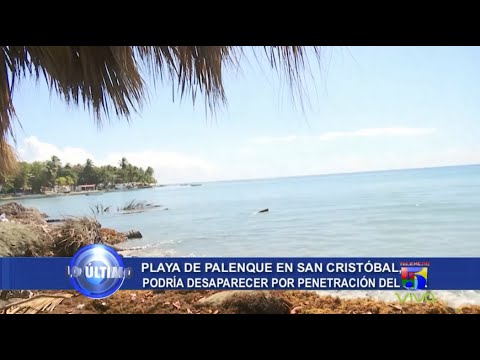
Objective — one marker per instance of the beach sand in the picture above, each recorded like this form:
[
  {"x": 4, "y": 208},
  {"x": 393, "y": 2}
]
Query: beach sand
[{"x": 244, "y": 302}]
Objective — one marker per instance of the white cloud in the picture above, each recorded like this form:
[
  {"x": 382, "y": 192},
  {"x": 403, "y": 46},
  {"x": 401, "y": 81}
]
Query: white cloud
[
  {"x": 333, "y": 135},
  {"x": 253, "y": 161},
  {"x": 168, "y": 166},
  {"x": 32, "y": 149}
]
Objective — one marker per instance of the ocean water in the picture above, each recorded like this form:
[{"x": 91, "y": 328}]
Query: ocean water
[{"x": 419, "y": 212}]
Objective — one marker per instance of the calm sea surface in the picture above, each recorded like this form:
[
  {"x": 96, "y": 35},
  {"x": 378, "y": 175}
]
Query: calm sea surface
[{"x": 424, "y": 212}]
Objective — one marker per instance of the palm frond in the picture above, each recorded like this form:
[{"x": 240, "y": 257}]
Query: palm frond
[
  {"x": 106, "y": 78},
  {"x": 8, "y": 159}
]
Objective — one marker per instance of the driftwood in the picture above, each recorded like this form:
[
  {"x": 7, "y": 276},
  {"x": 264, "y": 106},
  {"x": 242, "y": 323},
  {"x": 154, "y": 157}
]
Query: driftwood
[{"x": 37, "y": 303}]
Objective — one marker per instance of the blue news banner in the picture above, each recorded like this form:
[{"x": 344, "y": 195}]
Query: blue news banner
[{"x": 251, "y": 273}]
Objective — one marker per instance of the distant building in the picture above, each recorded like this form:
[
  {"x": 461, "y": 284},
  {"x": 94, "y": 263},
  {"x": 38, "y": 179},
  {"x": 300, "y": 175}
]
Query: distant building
[
  {"x": 86, "y": 187},
  {"x": 65, "y": 189}
]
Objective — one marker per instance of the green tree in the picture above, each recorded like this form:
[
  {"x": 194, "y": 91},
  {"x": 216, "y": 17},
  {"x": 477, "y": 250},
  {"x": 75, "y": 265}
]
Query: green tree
[
  {"x": 149, "y": 178},
  {"x": 123, "y": 173},
  {"x": 53, "y": 166},
  {"x": 89, "y": 174},
  {"x": 22, "y": 177},
  {"x": 54, "y": 163},
  {"x": 70, "y": 181},
  {"x": 124, "y": 163},
  {"x": 69, "y": 172},
  {"x": 39, "y": 176},
  {"x": 6, "y": 184},
  {"x": 61, "y": 181},
  {"x": 77, "y": 170}
]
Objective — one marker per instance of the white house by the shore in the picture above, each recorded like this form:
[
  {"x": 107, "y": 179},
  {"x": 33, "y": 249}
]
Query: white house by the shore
[{"x": 90, "y": 187}]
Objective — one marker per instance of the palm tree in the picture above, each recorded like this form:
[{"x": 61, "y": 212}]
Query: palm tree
[
  {"x": 106, "y": 78},
  {"x": 23, "y": 176},
  {"x": 88, "y": 174},
  {"x": 53, "y": 166},
  {"x": 123, "y": 163},
  {"x": 57, "y": 164}
]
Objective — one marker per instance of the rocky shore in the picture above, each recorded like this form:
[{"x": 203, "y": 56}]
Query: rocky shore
[{"x": 27, "y": 233}]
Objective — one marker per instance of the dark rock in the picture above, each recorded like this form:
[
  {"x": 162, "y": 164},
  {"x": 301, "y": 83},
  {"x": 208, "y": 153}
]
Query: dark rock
[{"x": 132, "y": 234}]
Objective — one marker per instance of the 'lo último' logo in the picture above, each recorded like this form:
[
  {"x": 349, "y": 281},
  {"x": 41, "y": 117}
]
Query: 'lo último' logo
[{"x": 96, "y": 271}]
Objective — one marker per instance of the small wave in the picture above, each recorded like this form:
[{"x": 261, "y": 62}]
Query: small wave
[
  {"x": 148, "y": 253},
  {"x": 150, "y": 250}
]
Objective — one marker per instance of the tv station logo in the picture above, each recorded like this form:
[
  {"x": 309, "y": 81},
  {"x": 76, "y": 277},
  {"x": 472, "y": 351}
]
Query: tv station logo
[
  {"x": 96, "y": 271},
  {"x": 414, "y": 277}
]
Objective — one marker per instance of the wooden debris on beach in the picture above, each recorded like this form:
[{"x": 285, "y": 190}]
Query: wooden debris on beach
[
  {"x": 295, "y": 309},
  {"x": 257, "y": 302},
  {"x": 18, "y": 294},
  {"x": 54, "y": 220},
  {"x": 21, "y": 214},
  {"x": 254, "y": 302},
  {"x": 74, "y": 234},
  {"x": 112, "y": 237},
  {"x": 36, "y": 304},
  {"x": 176, "y": 304}
]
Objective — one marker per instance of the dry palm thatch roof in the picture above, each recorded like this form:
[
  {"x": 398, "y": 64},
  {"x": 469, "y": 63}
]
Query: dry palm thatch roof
[{"x": 106, "y": 78}]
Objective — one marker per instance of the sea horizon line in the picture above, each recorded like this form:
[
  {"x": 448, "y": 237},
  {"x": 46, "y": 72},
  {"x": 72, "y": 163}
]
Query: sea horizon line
[{"x": 324, "y": 174}]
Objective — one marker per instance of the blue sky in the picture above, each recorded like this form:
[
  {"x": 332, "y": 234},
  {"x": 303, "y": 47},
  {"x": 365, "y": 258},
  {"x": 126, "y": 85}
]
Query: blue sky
[{"x": 371, "y": 108}]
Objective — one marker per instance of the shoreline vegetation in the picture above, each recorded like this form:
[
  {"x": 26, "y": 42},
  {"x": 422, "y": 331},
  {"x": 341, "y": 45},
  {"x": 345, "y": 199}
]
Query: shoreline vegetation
[
  {"x": 27, "y": 233},
  {"x": 4, "y": 198},
  {"x": 51, "y": 178}
]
